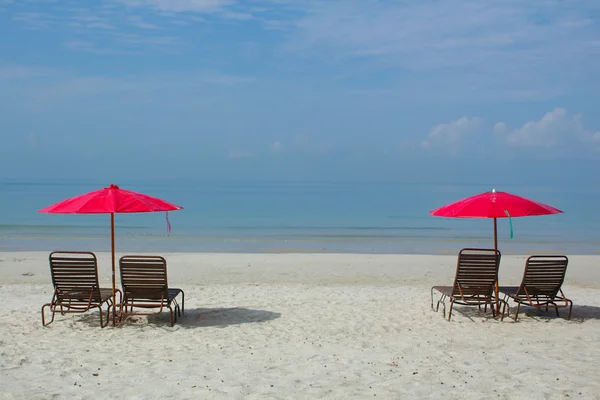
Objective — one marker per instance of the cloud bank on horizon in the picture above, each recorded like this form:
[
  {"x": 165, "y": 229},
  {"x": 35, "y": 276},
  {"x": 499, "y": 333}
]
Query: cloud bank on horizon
[{"x": 342, "y": 86}]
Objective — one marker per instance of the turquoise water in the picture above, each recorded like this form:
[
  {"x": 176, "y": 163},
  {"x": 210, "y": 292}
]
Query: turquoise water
[{"x": 386, "y": 217}]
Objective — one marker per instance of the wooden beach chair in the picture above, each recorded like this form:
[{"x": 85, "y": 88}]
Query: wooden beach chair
[
  {"x": 76, "y": 288},
  {"x": 474, "y": 283},
  {"x": 541, "y": 286},
  {"x": 144, "y": 282}
]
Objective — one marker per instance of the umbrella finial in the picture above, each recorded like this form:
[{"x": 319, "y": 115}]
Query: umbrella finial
[
  {"x": 493, "y": 190},
  {"x": 113, "y": 186}
]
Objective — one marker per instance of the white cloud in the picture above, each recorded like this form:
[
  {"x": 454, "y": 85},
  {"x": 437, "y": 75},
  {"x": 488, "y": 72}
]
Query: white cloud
[
  {"x": 493, "y": 45},
  {"x": 35, "y": 20},
  {"x": 89, "y": 21},
  {"x": 555, "y": 128},
  {"x": 206, "y": 6},
  {"x": 49, "y": 88},
  {"x": 140, "y": 40},
  {"x": 180, "y": 22},
  {"x": 88, "y": 47},
  {"x": 104, "y": 29},
  {"x": 500, "y": 37},
  {"x": 452, "y": 133},
  {"x": 139, "y": 22},
  {"x": 237, "y": 15},
  {"x": 425, "y": 34},
  {"x": 500, "y": 128}
]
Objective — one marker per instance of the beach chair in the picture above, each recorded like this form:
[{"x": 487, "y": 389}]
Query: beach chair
[
  {"x": 541, "y": 286},
  {"x": 144, "y": 282},
  {"x": 76, "y": 288},
  {"x": 474, "y": 283}
]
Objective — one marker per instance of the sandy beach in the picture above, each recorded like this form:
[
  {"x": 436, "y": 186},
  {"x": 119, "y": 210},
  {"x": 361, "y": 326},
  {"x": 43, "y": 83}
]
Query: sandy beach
[{"x": 302, "y": 326}]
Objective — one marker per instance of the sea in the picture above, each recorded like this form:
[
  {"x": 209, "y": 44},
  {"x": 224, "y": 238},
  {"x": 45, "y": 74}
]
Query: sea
[{"x": 297, "y": 217}]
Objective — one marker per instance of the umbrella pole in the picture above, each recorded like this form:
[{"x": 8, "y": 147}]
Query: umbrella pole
[
  {"x": 496, "y": 248},
  {"x": 495, "y": 234},
  {"x": 112, "y": 250}
]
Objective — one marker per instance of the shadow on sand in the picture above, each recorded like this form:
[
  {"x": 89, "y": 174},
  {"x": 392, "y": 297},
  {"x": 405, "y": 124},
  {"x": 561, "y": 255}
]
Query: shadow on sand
[
  {"x": 222, "y": 317},
  {"x": 194, "y": 318},
  {"x": 204, "y": 317},
  {"x": 579, "y": 313},
  {"x": 471, "y": 313}
]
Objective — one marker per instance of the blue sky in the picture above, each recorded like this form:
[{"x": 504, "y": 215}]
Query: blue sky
[{"x": 222, "y": 89}]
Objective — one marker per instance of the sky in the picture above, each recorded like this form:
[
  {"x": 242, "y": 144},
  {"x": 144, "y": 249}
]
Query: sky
[{"x": 424, "y": 90}]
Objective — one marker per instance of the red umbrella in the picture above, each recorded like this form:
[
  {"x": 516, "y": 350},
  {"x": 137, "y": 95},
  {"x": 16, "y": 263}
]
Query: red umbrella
[
  {"x": 110, "y": 200},
  {"x": 494, "y": 205}
]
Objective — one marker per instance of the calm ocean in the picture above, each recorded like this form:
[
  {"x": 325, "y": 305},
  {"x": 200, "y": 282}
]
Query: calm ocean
[{"x": 297, "y": 217}]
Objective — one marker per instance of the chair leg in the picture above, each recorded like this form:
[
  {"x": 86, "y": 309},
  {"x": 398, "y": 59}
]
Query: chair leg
[
  {"x": 442, "y": 300},
  {"x": 443, "y": 306},
  {"x": 176, "y": 311},
  {"x": 570, "y": 308},
  {"x": 450, "y": 311},
  {"x": 107, "y": 317},
  {"x": 183, "y": 302},
  {"x": 43, "y": 318},
  {"x": 517, "y": 310}
]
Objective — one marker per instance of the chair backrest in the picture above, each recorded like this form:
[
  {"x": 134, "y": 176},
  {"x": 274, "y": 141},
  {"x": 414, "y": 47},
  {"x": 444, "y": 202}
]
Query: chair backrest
[
  {"x": 544, "y": 275},
  {"x": 476, "y": 272},
  {"x": 74, "y": 272},
  {"x": 144, "y": 276}
]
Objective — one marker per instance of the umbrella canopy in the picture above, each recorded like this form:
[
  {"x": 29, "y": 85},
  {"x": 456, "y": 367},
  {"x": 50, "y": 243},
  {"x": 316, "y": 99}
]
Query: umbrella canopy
[
  {"x": 494, "y": 205},
  {"x": 110, "y": 200}
]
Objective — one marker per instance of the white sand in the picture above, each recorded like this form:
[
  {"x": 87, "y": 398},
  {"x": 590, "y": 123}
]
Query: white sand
[{"x": 300, "y": 326}]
